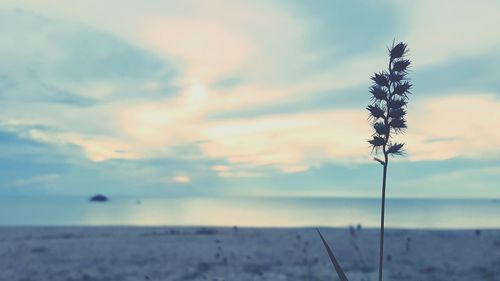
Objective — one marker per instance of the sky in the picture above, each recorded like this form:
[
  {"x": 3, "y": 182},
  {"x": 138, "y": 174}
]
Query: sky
[{"x": 243, "y": 98}]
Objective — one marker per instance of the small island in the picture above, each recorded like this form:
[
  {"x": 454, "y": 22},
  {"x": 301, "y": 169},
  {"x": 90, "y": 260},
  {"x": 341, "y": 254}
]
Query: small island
[{"x": 99, "y": 198}]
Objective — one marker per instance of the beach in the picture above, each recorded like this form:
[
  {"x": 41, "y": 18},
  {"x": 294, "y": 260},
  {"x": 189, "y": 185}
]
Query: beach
[{"x": 232, "y": 253}]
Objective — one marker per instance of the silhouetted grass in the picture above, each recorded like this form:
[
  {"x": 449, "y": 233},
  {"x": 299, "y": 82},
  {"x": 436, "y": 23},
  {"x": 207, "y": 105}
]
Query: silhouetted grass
[
  {"x": 335, "y": 263},
  {"x": 387, "y": 112}
]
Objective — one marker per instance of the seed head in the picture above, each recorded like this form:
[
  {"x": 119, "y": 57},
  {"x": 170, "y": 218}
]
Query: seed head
[
  {"x": 396, "y": 149},
  {"x": 381, "y": 79},
  {"x": 401, "y": 89},
  {"x": 396, "y": 77},
  {"x": 389, "y": 97},
  {"x": 396, "y": 103},
  {"x": 375, "y": 111},
  {"x": 376, "y": 142},
  {"x": 380, "y": 128},
  {"x": 398, "y": 124},
  {"x": 378, "y": 93},
  {"x": 398, "y": 51},
  {"x": 401, "y": 65},
  {"x": 397, "y": 113}
]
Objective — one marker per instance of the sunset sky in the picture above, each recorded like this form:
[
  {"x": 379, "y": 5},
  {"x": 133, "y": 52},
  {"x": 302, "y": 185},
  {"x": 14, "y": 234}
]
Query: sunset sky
[{"x": 199, "y": 98}]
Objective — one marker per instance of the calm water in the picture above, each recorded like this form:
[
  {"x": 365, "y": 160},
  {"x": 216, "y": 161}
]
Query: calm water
[{"x": 411, "y": 213}]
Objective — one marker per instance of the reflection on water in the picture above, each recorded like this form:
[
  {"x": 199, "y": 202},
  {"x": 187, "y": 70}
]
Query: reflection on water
[{"x": 266, "y": 212}]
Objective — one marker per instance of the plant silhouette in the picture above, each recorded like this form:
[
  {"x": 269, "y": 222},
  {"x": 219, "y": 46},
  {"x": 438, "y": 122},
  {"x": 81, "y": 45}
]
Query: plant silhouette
[{"x": 387, "y": 112}]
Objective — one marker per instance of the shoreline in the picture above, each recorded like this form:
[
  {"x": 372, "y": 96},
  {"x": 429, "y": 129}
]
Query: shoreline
[
  {"x": 124, "y": 253},
  {"x": 222, "y": 227}
]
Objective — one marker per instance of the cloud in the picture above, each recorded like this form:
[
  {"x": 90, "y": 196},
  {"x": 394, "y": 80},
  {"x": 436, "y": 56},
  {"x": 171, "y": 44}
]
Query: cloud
[
  {"x": 220, "y": 168},
  {"x": 74, "y": 64},
  {"x": 224, "y": 48},
  {"x": 465, "y": 123},
  {"x": 292, "y": 142},
  {"x": 72, "y": 80},
  {"x": 240, "y": 90},
  {"x": 236, "y": 171},
  {"x": 100, "y": 149},
  {"x": 445, "y": 30},
  {"x": 474, "y": 182},
  {"x": 181, "y": 179},
  {"x": 37, "y": 181}
]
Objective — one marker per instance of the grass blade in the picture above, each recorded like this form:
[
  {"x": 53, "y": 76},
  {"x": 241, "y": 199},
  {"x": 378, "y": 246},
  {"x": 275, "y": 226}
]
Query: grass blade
[{"x": 335, "y": 263}]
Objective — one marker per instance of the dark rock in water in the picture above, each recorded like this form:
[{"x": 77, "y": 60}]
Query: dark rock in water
[{"x": 99, "y": 198}]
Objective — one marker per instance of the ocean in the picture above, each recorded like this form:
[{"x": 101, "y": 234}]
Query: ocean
[{"x": 250, "y": 212}]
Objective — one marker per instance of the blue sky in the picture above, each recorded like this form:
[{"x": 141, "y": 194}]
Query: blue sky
[{"x": 207, "y": 98}]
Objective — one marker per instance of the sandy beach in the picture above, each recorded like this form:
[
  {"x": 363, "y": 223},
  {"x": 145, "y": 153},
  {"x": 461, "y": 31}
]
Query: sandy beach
[{"x": 202, "y": 253}]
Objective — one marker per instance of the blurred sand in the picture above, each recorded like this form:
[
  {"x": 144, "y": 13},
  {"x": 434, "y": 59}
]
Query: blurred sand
[{"x": 196, "y": 253}]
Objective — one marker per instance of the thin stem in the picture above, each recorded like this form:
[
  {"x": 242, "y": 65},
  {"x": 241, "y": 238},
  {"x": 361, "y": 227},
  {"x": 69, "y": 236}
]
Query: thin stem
[{"x": 382, "y": 216}]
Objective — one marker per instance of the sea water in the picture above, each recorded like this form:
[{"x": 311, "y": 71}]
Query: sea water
[{"x": 250, "y": 211}]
